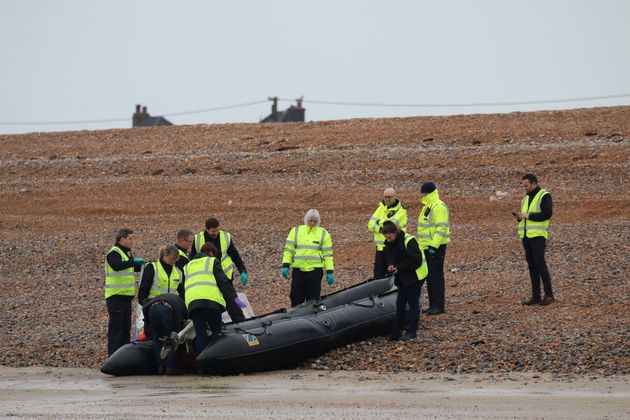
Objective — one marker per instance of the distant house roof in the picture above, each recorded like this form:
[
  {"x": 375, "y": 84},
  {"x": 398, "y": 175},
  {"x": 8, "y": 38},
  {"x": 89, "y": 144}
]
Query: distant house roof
[
  {"x": 154, "y": 121},
  {"x": 141, "y": 118},
  {"x": 291, "y": 114}
]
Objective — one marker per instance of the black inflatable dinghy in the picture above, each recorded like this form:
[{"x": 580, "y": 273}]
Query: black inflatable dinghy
[{"x": 279, "y": 339}]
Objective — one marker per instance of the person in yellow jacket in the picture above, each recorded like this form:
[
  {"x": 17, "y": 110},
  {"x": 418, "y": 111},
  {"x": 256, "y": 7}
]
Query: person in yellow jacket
[
  {"x": 161, "y": 276},
  {"x": 120, "y": 288},
  {"x": 390, "y": 208},
  {"x": 407, "y": 264},
  {"x": 533, "y": 228},
  {"x": 206, "y": 291},
  {"x": 309, "y": 251},
  {"x": 434, "y": 233},
  {"x": 228, "y": 255}
]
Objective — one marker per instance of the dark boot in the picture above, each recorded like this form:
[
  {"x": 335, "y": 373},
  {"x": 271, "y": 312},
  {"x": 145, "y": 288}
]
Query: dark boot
[
  {"x": 531, "y": 301},
  {"x": 547, "y": 300},
  {"x": 394, "y": 335},
  {"x": 408, "y": 335}
]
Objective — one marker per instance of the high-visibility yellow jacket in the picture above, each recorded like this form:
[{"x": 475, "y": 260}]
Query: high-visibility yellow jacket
[
  {"x": 397, "y": 214},
  {"x": 423, "y": 270},
  {"x": 433, "y": 222},
  {"x": 308, "y": 248},
  {"x": 162, "y": 282},
  {"x": 200, "y": 282},
  {"x": 225, "y": 240},
  {"x": 121, "y": 282},
  {"x": 529, "y": 227}
]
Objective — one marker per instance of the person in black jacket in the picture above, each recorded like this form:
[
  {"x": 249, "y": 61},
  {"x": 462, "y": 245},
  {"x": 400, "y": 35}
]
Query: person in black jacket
[
  {"x": 184, "y": 244},
  {"x": 119, "y": 300},
  {"x": 403, "y": 258},
  {"x": 163, "y": 318},
  {"x": 169, "y": 256},
  {"x": 537, "y": 207}
]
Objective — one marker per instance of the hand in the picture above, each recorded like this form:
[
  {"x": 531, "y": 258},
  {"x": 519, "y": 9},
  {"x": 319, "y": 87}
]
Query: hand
[
  {"x": 138, "y": 261},
  {"x": 522, "y": 215},
  {"x": 392, "y": 269},
  {"x": 244, "y": 278},
  {"x": 431, "y": 250},
  {"x": 329, "y": 278},
  {"x": 240, "y": 303},
  {"x": 285, "y": 272}
]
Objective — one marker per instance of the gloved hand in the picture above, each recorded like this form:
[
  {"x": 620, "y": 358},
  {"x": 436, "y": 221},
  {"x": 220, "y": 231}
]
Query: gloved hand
[
  {"x": 244, "y": 278},
  {"x": 240, "y": 303},
  {"x": 138, "y": 261},
  {"x": 329, "y": 278},
  {"x": 285, "y": 272},
  {"x": 431, "y": 250}
]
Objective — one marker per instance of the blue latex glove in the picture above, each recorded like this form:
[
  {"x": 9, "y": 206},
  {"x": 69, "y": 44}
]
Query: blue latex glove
[
  {"x": 244, "y": 278},
  {"x": 240, "y": 303},
  {"x": 329, "y": 278},
  {"x": 139, "y": 261},
  {"x": 431, "y": 250},
  {"x": 285, "y": 272}
]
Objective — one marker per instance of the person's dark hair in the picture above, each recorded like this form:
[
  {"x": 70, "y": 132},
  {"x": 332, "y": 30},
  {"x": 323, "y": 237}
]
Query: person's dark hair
[
  {"x": 123, "y": 233},
  {"x": 212, "y": 223},
  {"x": 531, "y": 178},
  {"x": 168, "y": 250},
  {"x": 210, "y": 249},
  {"x": 183, "y": 234},
  {"x": 389, "y": 227}
]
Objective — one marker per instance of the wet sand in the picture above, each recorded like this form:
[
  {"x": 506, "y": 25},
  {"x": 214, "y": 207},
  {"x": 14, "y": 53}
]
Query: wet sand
[{"x": 85, "y": 393}]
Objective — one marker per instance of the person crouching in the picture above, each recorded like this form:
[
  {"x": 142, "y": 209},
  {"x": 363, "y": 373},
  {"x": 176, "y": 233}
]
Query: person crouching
[
  {"x": 164, "y": 317},
  {"x": 406, "y": 262}
]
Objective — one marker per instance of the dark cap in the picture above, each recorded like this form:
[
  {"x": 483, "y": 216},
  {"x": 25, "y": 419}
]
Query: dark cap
[{"x": 427, "y": 187}]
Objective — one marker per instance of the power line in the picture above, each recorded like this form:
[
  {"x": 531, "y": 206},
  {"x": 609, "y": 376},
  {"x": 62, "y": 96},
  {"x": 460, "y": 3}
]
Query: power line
[
  {"x": 126, "y": 119},
  {"x": 465, "y": 104},
  {"x": 339, "y": 103}
]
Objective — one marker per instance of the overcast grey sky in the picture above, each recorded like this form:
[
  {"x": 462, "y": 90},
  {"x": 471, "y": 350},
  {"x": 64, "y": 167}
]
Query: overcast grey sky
[{"x": 82, "y": 60}]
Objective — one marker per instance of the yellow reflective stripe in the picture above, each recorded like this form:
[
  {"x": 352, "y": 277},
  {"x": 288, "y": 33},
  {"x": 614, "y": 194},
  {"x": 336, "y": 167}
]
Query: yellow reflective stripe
[
  {"x": 120, "y": 286},
  {"x": 201, "y": 283},
  {"x": 120, "y": 274},
  {"x": 315, "y": 247},
  {"x": 308, "y": 258}
]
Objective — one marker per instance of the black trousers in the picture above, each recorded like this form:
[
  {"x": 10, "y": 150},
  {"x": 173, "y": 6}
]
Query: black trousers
[
  {"x": 202, "y": 318},
  {"x": 408, "y": 295},
  {"x": 535, "y": 256},
  {"x": 380, "y": 265},
  {"x": 435, "y": 279},
  {"x": 119, "y": 327},
  {"x": 305, "y": 285},
  {"x": 162, "y": 324},
  {"x": 235, "y": 311}
]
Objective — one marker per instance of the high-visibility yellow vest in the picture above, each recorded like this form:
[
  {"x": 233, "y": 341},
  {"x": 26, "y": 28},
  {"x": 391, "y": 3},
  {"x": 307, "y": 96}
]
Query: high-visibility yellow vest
[
  {"x": 532, "y": 228},
  {"x": 162, "y": 282},
  {"x": 380, "y": 215},
  {"x": 121, "y": 282},
  {"x": 225, "y": 239},
  {"x": 183, "y": 254},
  {"x": 200, "y": 282},
  {"x": 423, "y": 270},
  {"x": 434, "y": 228},
  {"x": 308, "y": 248}
]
